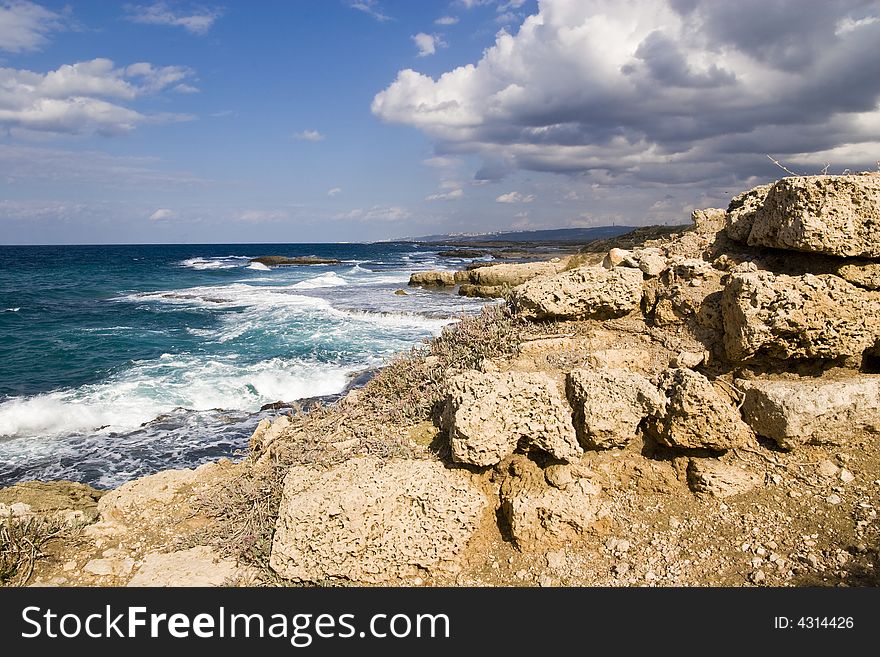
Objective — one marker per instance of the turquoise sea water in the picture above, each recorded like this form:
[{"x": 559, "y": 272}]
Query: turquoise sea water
[{"x": 118, "y": 361}]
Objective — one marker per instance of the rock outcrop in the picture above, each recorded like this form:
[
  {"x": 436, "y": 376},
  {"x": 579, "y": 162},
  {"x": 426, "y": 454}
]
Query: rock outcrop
[
  {"x": 797, "y": 411},
  {"x": 797, "y": 317},
  {"x": 432, "y": 279},
  {"x": 511, "y": 275},
  {"x": 718, "y": 479},
  {"x": 371, "y": 521},
  {"x": 609, "y": 405},
  {"x": 582, "y": 293},
  {"x": 487, "y": 415},
  {"x": 695, "y": 415}
]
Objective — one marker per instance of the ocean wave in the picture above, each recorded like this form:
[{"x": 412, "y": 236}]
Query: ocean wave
[
  {"x": 330, "y": 279},
  {"x": 12, "y": 310},
  {"x": 232, "y": 295},
  {"x": 153, "y": 388},
  {"x": 258, "y": 266},
  {"x": 220, "y": 262}
]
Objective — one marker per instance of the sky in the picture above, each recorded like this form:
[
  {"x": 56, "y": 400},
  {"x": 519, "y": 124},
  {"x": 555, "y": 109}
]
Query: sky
[{"x": 358, "y": 120}]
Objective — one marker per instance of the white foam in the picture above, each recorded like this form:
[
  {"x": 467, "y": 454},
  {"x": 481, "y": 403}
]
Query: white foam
[
  {"x": 330, "y": 279},
  {"x": 153, "y": 388},
  {"x": 259, "y": 266},
  {"x": 222, "y": 262},
  {"x": 12, "y": 310},
  {"x": 233, "y": 295}
]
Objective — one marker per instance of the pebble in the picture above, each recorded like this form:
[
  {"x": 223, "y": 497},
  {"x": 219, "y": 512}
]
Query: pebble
[
  {"x": 521, "y": 574},
  {"x": 833, "y": 499},
  {"x": 556, "y": 560},
  {"x": 758, "y": 576},
  {"x": 827, "y": 468},
  {"x": 545, "y": 581},
  {"x": 846, "y": 476}
]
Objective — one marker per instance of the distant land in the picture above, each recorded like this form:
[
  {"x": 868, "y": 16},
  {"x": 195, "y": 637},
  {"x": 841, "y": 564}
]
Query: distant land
[{"x": 557, "y": 235}]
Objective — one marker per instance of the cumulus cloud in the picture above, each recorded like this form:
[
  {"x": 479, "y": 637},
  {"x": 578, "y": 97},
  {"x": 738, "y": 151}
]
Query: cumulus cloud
[
  {"x": 515, "y": 197},
  {"x": 446, "y": 20},
  {"x": 452, "y": 195},
  {"x": 197, "y": 20},
  {"x": 333, "y": 191},
  {"x": 309, "y": 135},
  {"x": 83, "y": 98},
  {"x": 377, "y": 213},
  {"x": 428, "y": 43},
  {"x": 25, "y": 26},
  {"x": 370, "y": 7},
  {"x": 661, "y": 91},
  {"x": 162, "y": 213}
]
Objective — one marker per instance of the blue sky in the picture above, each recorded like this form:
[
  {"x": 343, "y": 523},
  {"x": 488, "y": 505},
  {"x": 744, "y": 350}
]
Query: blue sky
[{"x": 343, "y": 120}]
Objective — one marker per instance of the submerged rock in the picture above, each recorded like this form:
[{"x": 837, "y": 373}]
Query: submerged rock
[
  {"x": 280, "y": 261},
  {"x": 373, "y": 521}
]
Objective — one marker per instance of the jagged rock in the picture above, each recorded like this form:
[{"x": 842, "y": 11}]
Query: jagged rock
[
  {"x": 862, "y": 273},
  {"x": 482, "y": 291},
  {"x": 544, "y": 516},
  {"x": 582, "y": 293},
  {"x": 198, "y": 566},
  {"x": 718, "y": 479},
  {"x": 371, "y": 521},
  {"x": 695, "y": 415},
  {"x": 837, "y": 215},
  {"x": 689, "y": 359},
  {"x": 110, "y": 566},
  {"x": 709, "y": 220},
  {"x": 511, "y": 275},
  {"x": 797, "y": 317},
  {"x": 797, "y": 411},
  {"x": 615, "y": 257},
  {"x": 690, "y": 290},
  {"x": 267, "y": 432},
  {"x": 741, "y": 212},
  {"x": 486, "y": 415},
  {"x": 68, "y": 501},
  {"x": 609, "y": 405},
  {"x": 432, "y": 279},
  {"x": 650, "y": 260}
]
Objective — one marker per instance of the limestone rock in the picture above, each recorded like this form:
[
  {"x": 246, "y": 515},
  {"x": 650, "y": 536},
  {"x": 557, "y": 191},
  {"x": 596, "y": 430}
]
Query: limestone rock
[
  {"x": 432, "y": 279},
  {"x": 582, "y": 293},
  {"x": 837, "y": 215},
  {"x": 68, "y": 501},
  {"x": 609, "y": 405},
  {"x": 110, "y": 566},
  {"x": 862, "y": 273},
  {"x": 198, "y": 566},
  {"x": 512, "y": 274},
  {"x": 486, "y": 415},
  {"x": 709, "y": 220},
  {"x": 797, "y": 411},
  {"x": 267, "y": 432},
  {"x": 696, "y": 415},
  {"x": 135, "y": 498},
  {"x": 542, "y": 516},
  {"x": 797, "y": 317},
  {"x": 482, "y": 291},
  {"x": 689, "y": 359},
  {"x": 616, "y": 257},
  {"x": 718, "y": 479},
  {"x": 650, "y": 260},
  {"x": 741, "y": 212},
  {"x": 372, "y": 521}
]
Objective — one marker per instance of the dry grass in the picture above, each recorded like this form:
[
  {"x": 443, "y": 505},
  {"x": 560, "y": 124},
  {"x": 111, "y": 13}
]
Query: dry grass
[{"x": 21, "y": 543}]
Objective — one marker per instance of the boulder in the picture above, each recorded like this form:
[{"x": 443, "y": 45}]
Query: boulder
[
  {"x": 836, "y": 215},
  {"x": 511, "y": 275},
  {"x": 797, "y": 317},
  {"x": 372, "y": 521},
  {"x": 486, "y": 415},
  {"x": 432, "y": 279},
  {"x": 267, "y": 432},
  {"x": 609, "y": 405},
  {"x": 863, "y": 273},
  {"x": 695, "y": 415},
  {"x": 741, "y": 212},
  {"x": 709, "y": 220},
  {"x": 718, "y": 479},
  {"x": 198, "y": 566},
  {"x": 549, "y": 512},
  {"x": 810, "y": 410},
  {"x": 582, "y": 293},
  {"x": 650, "y": 260},
  {"x": 482, "y": 291},
  {"x": 616, "y": 257}
]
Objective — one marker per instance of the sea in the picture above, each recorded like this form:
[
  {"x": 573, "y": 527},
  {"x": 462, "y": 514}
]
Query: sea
[{"x": 120, "y": 361}]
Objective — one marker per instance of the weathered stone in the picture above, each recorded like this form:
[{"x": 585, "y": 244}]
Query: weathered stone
[
  {"x": 110, "y": 566},
  {"x": 837, "y": 215},
  {"x": 373, "y": 521},
  {"x": 68, "y": 501},
  {"x": 544, "y": 516},
  {"x": 696, "y": 415},
  {"x": 615, "y": 257},
  {"x": 709, "y": 220},
  {"x": 719, "y": 479},
  {"x": 809, "y": 410},
  {"x": 586, "y": 292},
  {"x": 198, "y": 566},
  {"x": 862, "y": 273},
  {"x": 486, "y": 415},
  {"x": 432, "y": 279},
  {"x": 267, "y": 432},
  {"x": 482, "y": 291},
  {"x": 741, "y": 212},
  {"x": 689, "y": 359},
  {"x": 136, "y": 498},
  {"x": 513, "y": 274},
  {"x": 797, "y": 317},
  {"x": 650, "y": 260},
  {"x": 609, "y": 405}
]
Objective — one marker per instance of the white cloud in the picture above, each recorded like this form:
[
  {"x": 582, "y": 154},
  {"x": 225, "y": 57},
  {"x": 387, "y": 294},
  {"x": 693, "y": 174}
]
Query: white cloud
[
  {"x": 197, "y": 21},
  {"x": 83, "y": 98},
  {"x": 446, "y": 20},
  {"x": 659, "y": 91},
  {"x": 162, "y": 213},
  {"x": 309, "y": 135},
  {"x": 262, "y": 216},
  {"x": 25, "y": 26},
  {"x": 333, "y": 191},
  {"x": 515, "y": 197},
  {"x": 377, "y": 213},
  {"x": 452, "y": 195},
  {"x": 370, "y": 7},
  {"x": 439, "y": 162},
  {"x": 184, "y": 88},
  {"x": 428, "y": 43}
]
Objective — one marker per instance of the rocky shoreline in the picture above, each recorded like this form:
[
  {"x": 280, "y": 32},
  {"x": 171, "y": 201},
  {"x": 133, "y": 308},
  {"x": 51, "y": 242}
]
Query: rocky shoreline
[{"x": 700, "y": 409}]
